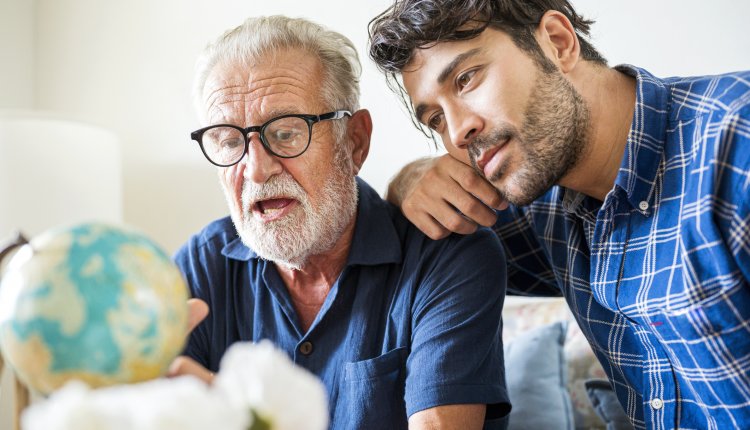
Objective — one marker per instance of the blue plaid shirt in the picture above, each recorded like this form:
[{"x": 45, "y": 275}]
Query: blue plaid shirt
[{"x": 658, "y": 275}]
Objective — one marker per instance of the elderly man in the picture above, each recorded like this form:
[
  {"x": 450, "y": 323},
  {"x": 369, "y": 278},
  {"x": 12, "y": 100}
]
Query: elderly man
[
  {"x": 629, "y": 193},
  {"x": 403, "y": 330}
]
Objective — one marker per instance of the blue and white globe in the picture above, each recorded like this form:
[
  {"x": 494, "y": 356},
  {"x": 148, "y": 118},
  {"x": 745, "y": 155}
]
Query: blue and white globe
[{"x": 94, "y": 302}]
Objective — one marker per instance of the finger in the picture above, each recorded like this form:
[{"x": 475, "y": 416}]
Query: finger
[
  {"x": 449, "y": 218},
  {"x": 459, "y": 185},
  {"x": 183, "y": 365},
  {"x": 427, "y": 209},
  {"x": 426, "y": 223},
  {"x": 473, "y": 209},
  {"x": 451, "y": 206},
  {"x": 472, "y": 182},
  {"x": 197, "y": 312},
  {"x": 436, "y": 217}
]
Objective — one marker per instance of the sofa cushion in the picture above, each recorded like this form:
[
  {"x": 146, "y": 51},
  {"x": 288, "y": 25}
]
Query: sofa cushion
[
  {"x": 535, "y": 374},
  {"x": 606, "y": 405},
  {"x": 521, "y": 314}
]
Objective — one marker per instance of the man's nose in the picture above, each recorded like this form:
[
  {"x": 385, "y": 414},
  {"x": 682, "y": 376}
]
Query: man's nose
[
  {"x": 260, "y": 165},
  {"x": 463, "y": 126}
]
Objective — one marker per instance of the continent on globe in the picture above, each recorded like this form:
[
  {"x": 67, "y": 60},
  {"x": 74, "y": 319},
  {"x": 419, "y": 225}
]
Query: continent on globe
[{"x": 93, "y": 302}]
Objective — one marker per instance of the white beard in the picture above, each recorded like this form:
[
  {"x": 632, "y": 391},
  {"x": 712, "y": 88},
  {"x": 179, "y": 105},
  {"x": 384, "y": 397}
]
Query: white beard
[{"x": 303, "y": 232}]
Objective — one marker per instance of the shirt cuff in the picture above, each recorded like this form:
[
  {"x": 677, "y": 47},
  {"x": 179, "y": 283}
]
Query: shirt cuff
[{"x": 494, "y": 396}]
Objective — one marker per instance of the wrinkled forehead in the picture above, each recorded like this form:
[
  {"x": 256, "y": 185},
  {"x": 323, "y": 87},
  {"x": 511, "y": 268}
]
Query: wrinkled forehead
[{"x": 287, "y": 80}]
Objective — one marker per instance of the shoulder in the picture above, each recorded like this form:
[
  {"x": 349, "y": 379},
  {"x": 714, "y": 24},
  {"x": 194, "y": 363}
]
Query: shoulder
[
  {"x": 482, "y": 241},
  {"x": 711, "y": 116},
  {"x": 471, "y": 265},
  {"x": 209, "y": 241},
  {"x": 714, "y": 95}
]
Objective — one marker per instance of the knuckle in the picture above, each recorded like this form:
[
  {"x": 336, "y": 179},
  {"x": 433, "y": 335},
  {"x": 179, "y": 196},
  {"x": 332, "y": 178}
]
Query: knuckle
[
  {"x": 437, "y": 234},
  {"x": 470, "y": 179},
  {"x": 494, "y": 200},
  {"x": 471, "y": 207},
  {"x": 431, "y": 229},
  {"x": 430, "y": 176},
  {"x": 455, "y": 224}
]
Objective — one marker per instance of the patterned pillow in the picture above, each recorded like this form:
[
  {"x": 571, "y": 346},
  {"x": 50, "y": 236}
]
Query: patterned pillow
[{"x": 521, "y": 314}]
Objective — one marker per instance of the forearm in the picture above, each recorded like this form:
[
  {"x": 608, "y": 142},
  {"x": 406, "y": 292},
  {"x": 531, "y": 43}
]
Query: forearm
[{"x": 464, "y": 417}]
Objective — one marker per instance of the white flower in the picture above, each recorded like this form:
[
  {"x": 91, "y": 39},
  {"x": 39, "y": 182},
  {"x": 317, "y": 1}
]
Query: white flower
[
  {"x": 254, "y": 380},
  {"x": 183, "y": 403},
  {"x": 263, "y": 378},
  {"x": 69, "y": 408}
]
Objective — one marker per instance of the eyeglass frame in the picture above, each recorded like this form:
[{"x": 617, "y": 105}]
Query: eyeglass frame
[{"x": 197, "y": 135}]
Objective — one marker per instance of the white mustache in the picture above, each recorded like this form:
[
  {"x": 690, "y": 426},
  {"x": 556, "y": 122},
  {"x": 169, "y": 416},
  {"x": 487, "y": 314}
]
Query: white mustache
[{"x": 282, "y": 185}]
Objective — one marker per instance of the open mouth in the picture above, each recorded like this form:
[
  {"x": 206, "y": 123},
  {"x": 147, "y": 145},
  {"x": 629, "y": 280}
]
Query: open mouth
[{"x": 271, "y": 209}]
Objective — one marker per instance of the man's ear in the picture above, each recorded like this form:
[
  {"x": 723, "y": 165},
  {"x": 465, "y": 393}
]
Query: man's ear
[
  {"x": 359, "y": 131},
  {"x": 558, "y": 40}
]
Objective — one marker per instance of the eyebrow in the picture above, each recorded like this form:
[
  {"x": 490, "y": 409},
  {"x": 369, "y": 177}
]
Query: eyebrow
[
  {"x": 451, "y": 67},
  {"x": 445, "y": 73}
]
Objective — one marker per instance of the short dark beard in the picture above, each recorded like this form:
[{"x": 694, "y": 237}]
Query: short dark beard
[{"x": 552, "y": 139}]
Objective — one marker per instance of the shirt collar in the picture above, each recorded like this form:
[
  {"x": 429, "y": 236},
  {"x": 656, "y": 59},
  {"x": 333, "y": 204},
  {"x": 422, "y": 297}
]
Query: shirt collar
[
  {"x": 375, "y": 240},
  {"x": 645, "y": 145}
]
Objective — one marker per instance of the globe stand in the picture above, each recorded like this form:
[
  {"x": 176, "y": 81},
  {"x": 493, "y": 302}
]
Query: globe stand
[{"x": 21, "y": 398}]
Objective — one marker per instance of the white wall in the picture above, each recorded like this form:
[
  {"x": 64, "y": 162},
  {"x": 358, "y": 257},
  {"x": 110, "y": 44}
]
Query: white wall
[
  {"x": 127, "y": 66},
  {"x": 16, "y": 92},
  {"x": 672, "y": 37},
  {"x": 17, "y": 54}
]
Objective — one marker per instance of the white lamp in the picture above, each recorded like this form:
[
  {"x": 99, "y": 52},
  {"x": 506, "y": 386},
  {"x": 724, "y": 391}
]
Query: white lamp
[
  {"x": 56, "y": 172},
  {"x": 53, "y": 172}
]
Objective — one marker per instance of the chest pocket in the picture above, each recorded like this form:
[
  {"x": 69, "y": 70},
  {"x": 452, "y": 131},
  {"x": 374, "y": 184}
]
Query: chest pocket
[
  {"x": 371, "y": 391},
  {"x": 710, "y": 298}
]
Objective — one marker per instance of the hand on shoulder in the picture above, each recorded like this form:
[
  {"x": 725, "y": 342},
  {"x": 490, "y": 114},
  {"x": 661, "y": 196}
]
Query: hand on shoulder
[{"x": 443, "y": 195}]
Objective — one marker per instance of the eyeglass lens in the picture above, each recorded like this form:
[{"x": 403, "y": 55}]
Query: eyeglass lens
[{"x": 286, "y": 137}]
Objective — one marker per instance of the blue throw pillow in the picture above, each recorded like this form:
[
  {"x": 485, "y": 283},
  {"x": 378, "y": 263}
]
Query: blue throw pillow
[
  {"x": 536, "y": 378},
  {"x": 606, "y": 404}
]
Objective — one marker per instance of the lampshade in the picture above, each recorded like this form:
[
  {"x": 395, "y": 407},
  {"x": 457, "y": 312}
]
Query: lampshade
[{"x": 54, "y": 172}]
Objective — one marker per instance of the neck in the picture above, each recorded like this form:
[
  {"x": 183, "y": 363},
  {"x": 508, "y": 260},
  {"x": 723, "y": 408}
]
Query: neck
[
  {"x": 309, "y": 285},
  {"x": 610, "y": 96}
]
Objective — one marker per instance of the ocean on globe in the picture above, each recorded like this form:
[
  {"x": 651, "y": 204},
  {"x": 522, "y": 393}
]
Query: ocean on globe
[{"x": 93, "y": 302}]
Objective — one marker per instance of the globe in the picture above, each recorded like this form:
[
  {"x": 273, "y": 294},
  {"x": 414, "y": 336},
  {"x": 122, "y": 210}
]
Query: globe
[{"x": 92, "y": 302}]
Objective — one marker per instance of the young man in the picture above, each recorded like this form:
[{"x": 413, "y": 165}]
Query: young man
[
  {"x": 626, "y": 193},
  {"x": 396, "y": 325}
]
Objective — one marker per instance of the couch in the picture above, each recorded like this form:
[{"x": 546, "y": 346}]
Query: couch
[{"x": 554, "y": 379}]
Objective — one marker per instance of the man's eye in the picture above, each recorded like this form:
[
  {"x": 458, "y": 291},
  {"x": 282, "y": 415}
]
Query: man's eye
[
  {"x": 232, "y": 143},
  {"x": 464, "y": 78},
  {"x": 435, "y": 121},
  {"x": 284, "y": 135}
]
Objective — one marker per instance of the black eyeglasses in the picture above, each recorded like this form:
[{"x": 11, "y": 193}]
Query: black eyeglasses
[{"x": 286, "y": 136}]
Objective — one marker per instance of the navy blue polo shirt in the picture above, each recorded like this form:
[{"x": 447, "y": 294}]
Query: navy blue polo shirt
[{"x": 410, "y": 323}]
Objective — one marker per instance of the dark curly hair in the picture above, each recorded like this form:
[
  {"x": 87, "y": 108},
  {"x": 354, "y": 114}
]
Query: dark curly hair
[
  {"x": 411, "y": 24},
  {"x": 408, "y": 25}
]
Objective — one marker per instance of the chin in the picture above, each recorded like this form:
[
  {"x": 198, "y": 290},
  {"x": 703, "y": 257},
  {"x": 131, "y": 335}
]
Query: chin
[{"x": 521, "y": 193}]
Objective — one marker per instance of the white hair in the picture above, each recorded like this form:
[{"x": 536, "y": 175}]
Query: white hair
[{"x": 260, "y": 37}]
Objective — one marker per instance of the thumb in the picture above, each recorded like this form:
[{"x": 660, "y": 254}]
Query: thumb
[{"x": 197, "y": 312}]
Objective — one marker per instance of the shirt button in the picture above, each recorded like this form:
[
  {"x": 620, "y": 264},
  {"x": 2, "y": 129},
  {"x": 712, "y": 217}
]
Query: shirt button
[
  {"x": 306, "y": 348},
  {"x": 657, "y": 403},
  {"x": 643, "y": 205}
]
